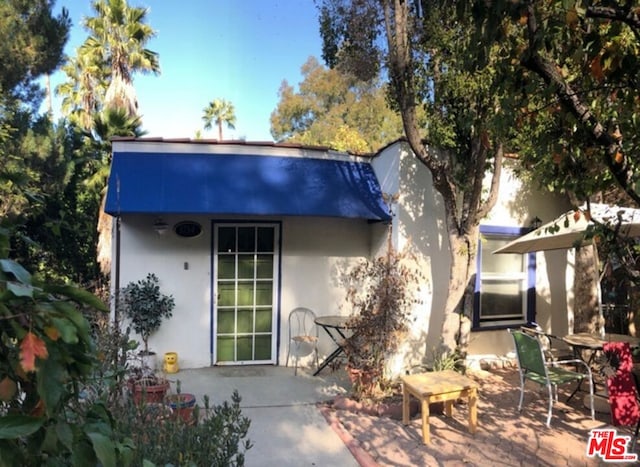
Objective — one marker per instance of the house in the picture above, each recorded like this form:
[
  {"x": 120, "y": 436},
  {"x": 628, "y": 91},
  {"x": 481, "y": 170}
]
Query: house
[{"x": 241, "y": 233}]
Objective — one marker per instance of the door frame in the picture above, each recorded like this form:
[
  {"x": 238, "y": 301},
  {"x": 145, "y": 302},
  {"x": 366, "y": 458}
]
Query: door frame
[{"x": 275, "y": 344}]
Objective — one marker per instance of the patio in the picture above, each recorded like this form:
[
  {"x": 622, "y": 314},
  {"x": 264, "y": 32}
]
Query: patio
[
  {"x": 288, "y": 427},
  {"x": 504, "y": 436}
]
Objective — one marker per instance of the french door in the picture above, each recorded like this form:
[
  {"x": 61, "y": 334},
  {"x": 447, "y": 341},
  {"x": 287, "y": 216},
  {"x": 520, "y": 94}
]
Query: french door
[{"x": 245, "y": 293}]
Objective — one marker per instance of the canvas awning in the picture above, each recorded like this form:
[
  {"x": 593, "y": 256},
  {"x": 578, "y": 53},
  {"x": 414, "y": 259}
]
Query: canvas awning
[
  {"x": 241, "y": 184},
  {"x": 568, "y": 230}
]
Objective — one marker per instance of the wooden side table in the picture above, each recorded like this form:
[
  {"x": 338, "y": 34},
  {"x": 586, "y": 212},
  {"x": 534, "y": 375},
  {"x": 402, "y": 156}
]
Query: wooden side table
[{"x": 439, "y": 386}]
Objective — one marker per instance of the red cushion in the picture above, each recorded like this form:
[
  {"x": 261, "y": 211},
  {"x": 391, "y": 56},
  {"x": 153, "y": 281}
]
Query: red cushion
[{"x": 622, "y": 387}]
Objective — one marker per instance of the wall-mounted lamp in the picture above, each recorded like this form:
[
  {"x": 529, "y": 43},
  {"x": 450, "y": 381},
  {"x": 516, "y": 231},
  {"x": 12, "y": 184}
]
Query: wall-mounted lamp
[
  {"x": 160, "y": 226},
  {"x": 536, "y": 222}
]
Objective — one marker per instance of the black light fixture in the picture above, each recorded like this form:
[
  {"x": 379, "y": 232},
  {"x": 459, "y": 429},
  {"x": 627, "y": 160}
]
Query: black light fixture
[
  {"x": 160, "y": 226},
  {"x": 536, "y": 222}
]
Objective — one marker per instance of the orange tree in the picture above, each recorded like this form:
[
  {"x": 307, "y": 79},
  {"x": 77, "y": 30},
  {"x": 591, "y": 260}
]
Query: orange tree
[
  {"x": 46, "y": 357},
  {"x": 576, "y": 88}
]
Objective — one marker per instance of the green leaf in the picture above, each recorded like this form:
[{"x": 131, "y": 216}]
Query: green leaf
[
  {"x": 9, "y": 455},
  {"x": 77, "y": 318},
  {"x": 20, "y": 290},
  {"x": 17, "y": 426},
  {"x": 51, "y": 377},
  {"x": 65, "y": 434},
  {"x": 83, "y": 453},
  {"x": 67, "y": 330},
  {"x": 104, "y": 448},
  {"x": 78, "y": 295},
  {"x": 14, "y": 268}
]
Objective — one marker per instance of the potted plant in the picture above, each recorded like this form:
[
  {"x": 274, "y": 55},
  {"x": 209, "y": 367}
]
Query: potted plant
[
  {"x": 147, "y": 388},
  {"x": 146, "y": 307},
  {"x": 182, "y": 405},
  {"x": 382, "y": 293}
]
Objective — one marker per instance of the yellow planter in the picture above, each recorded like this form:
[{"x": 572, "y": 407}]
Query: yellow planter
[{"x": 171, "y": 362}]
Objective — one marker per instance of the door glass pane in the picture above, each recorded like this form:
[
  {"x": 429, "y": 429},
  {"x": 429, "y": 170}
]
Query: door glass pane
[
  {"x": 226, "y": 294},
  {"x": 263, "y": 320},
  {"x": 245, "y": 348},
  {"x": 226, "y": 239},
  {"x": 265, "y": 239},
  {"x": 244, "y": 281},
  {"x": 226, "y": 321},
  {"x": 245, "y": 293},
  {"x": 246, "y": 239},
  {"x": 245, "y": 266},
  {"x": 225, "y": 349},
  {"x": 263, "y": 347},
  {"x": 264, "y": 266},
  {"x": 226, "y": 266},
  {"x": 264, "y": 293},
  {"x": 245, "y": 321}
]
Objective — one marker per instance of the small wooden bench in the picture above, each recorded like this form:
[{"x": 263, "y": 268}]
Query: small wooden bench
[{"x": 439, "y": 386}]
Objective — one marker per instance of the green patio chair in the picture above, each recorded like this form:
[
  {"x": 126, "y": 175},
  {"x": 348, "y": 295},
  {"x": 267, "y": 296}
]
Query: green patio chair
[
  {"x": 554, "y": 348},
  {"x": 533, "y": 366}
]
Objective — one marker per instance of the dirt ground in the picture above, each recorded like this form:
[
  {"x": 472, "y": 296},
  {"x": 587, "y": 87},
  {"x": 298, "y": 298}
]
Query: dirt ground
[{"x": 504, "y": 437}]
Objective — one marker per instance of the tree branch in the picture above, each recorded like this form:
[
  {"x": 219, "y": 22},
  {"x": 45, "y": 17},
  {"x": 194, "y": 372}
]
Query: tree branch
[
  {"x": 492, "y": 197},
  {"x": 548, "y": 71},
  {"x": 396, "y": 20},
  {"x": 624, "y": 14}
]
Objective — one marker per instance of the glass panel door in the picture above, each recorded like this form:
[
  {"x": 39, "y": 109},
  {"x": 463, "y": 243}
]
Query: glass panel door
[{"x": 245, "y": 285}]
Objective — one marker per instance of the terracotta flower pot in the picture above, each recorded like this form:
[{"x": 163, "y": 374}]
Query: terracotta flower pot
[
  {"x": 182, "y": 406},
  {"x": 149, "y": 390}
]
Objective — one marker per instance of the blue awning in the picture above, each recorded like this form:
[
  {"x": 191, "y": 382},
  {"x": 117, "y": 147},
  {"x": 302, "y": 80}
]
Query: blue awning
[{"x": 217, "y": 184}]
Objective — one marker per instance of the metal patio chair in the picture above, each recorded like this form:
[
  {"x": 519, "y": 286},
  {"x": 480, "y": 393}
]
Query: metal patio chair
[
  {"x": 533, "y": 366},
  {"x": 553, "y": 346},
  {"x": 303, "y": 333}
]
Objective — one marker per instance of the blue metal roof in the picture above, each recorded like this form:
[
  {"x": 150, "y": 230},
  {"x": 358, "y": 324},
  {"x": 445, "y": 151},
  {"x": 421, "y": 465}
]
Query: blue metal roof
[{"x": 175, "y": 183}]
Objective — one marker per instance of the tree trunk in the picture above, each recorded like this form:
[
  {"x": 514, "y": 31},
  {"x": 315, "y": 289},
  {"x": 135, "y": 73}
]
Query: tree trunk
[
  {"x": 586, "y": 309},
  {"x": 459, "y": 305},
  {"x": 464, "y": 204},
  {"x": 104, "y": 228}
]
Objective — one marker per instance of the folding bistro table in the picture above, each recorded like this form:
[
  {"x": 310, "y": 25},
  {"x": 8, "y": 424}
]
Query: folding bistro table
[{"x": 334, "y": 326}]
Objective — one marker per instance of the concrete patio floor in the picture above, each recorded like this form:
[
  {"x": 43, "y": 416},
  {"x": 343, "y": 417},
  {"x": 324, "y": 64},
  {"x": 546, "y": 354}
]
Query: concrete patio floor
[{"x": 293, "y": 423}]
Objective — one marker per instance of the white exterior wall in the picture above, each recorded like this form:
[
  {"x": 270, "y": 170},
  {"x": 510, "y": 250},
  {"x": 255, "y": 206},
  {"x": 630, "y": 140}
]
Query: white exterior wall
[
  {"x": 314, "y": 252},
  {"x": 142, "y": 251},
  {"x": 419, "y": 221}
]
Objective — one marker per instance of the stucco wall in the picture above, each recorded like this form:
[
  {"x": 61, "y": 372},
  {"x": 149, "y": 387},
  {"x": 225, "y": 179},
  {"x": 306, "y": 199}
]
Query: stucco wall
[
  {"x": 144, "y": 251},
  {"x": 314, "y": 254},
  {"x": 419, "y": 221}
]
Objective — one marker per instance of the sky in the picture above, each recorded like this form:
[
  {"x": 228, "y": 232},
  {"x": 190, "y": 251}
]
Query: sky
[{"x": 238, "y": 50}]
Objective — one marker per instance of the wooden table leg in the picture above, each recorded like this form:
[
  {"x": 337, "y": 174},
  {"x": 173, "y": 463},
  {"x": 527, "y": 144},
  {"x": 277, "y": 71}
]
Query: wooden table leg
[
  {"x": 426, "y": 435},
  {"x": 405, "y": 404},
  {"x": 473, "y": 410},
  {"x": 448, "y": 408}
]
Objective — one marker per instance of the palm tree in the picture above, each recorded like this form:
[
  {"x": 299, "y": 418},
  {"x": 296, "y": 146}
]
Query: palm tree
[
  {"x": 118, "y": 35},
  {"x": 84, "y": 90},
  {"x": 100, "y": 88},
  {"x": 219, "y": 111}
]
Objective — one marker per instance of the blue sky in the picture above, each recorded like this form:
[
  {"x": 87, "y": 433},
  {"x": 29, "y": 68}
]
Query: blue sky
[{"x": 238, "y": 50}]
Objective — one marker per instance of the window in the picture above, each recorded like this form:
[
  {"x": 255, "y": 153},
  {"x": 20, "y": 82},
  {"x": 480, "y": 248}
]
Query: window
[{"x": 505, "y": 283}]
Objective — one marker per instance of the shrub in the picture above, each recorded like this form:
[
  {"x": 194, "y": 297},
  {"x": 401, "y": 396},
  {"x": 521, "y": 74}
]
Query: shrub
[
  {"x": 382, "y": 293},
  {"x": 216, "y": 439}
]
